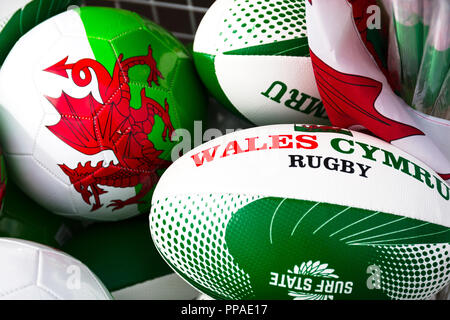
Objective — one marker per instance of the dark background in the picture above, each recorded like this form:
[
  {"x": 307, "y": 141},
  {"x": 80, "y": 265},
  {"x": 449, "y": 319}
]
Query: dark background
[{"x": 181, "y": 17}]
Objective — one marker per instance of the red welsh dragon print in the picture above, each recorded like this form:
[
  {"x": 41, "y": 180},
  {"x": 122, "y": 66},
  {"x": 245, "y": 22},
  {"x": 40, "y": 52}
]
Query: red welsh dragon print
[{"x": 92, "y": 127}]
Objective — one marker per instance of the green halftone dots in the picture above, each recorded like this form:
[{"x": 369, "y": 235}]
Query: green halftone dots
[
  {"x": 258, "y": 22},
  {"x": 428, "y": 269},
  {"x": 229, "y": 245},
  {"x": 189, "y": 232}
]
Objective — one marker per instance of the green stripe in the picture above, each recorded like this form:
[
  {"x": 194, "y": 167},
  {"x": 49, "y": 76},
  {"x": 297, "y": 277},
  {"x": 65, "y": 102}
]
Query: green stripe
[
  {"x": 410, "y": 40},
  {"x": 205, "y": 64},
  {"x": 269, "y": 248},
  {"x": 293, "y": 48}
]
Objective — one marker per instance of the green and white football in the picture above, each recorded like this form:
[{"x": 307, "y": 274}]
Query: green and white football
[
  {"x": 19, "y": 16},
  {"x": 89, "y": 101},
  {"x": 253, "y": 56},
  {"x": 304, "y": 212}
]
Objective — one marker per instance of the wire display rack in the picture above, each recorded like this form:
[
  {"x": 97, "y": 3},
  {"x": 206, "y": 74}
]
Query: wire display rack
[{"x": 181, "y": 17}]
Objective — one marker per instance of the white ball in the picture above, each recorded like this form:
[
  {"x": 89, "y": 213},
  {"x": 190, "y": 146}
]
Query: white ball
[
  {"x": 299, "y": 211},
  {"x": 30, "y": 271},
  {"x": 67, "y": 144},
  {"x": 253, "y": 56}
]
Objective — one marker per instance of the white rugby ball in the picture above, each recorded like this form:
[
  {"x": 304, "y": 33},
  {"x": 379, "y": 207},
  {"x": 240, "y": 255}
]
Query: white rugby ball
[
  {"x": 253, "y": 56},
  {"x": 304, "y": 212},
  {"x": 30, "y": 271}
]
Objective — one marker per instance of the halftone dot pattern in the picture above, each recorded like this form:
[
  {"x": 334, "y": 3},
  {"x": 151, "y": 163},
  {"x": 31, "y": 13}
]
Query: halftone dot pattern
[
  {"x": 250, "y": 23},
  {"x": 221, "y": 242},
  {"x": 189, "y": 231},
  {"x": 410, "y": 272}
]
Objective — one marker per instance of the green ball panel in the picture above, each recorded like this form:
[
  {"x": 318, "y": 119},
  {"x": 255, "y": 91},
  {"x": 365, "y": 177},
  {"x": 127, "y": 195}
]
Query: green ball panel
[
  {"x": 166, "y": 38},
  {"x": 190, "y": 93},
  {"x": 281, "y": 235},
  {"x": 206, "y": 70},
  {"x": 120, "y": 22}
]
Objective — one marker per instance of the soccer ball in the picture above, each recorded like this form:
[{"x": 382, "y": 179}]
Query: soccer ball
[
  {"x": 89, "y": 100},
  {"x": 30, "y": 271},
  {"x": 19, "y": 16}
]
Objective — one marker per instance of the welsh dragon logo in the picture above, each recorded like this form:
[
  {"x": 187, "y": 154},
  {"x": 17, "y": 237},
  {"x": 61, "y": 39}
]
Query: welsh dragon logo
[{"x": 92, "y": 127}]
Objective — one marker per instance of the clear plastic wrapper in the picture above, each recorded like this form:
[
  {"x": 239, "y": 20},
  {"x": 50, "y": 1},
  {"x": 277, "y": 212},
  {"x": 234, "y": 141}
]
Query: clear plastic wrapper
[
  {"x": 419, "y": 54},
  {"x": 410, "y": 30},
  {"x": 431, "y": 94},
  {"x": 407, "y": 104}
]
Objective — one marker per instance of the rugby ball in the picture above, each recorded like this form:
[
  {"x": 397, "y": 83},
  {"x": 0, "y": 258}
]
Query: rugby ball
[
  {"x": 30, "y": 271},
  {"x": 304, "y": 212},
  {"x": 253, "y": 56}
]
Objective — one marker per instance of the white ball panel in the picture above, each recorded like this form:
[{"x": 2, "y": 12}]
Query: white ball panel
[
  {"x": 32, "y": 292},
  {"x": 104, "y": 213},
  {"x": 55, "y": 272},
  {"x": 70, "y": 24},
  {"x": 24, "y": 84},
  {"x": 239, "y": 24},
  {"x": 20, "y": 109},
  {"x": 246, "y": 92},
  {"x": 25, "y": 263},
  {"x": 50, "y": 274}
]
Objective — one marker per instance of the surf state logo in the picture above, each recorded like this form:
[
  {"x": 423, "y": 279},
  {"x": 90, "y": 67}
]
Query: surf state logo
[{"x": 311, "y": 281}]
